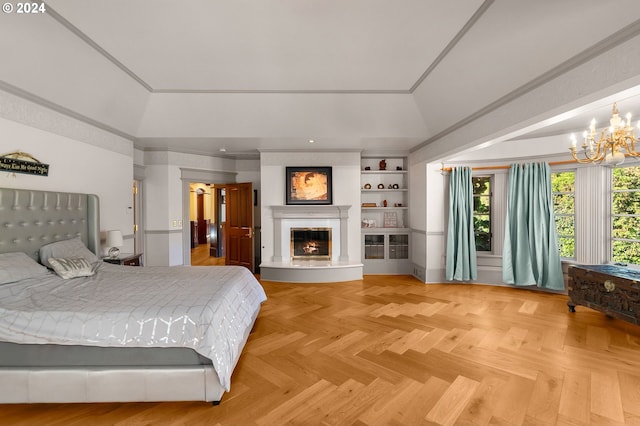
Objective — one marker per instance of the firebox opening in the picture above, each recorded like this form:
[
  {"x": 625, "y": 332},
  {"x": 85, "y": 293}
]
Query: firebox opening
[{"x": 311, "y": 243}]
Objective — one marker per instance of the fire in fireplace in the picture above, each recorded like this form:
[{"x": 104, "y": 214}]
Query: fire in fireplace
[{"x": 311, "y": 243}]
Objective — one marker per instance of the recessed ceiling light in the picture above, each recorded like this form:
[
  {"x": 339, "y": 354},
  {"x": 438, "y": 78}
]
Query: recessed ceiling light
[
  {"x": 223, "y": 149},
  {"x": 311, "y": 141}
]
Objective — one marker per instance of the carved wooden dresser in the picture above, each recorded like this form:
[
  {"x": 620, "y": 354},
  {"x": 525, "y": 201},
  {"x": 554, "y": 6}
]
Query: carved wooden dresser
[{"x": 612, "y": 289}]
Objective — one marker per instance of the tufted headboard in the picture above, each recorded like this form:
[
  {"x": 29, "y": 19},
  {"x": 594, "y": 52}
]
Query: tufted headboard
[{"x": 30, "y": 219}]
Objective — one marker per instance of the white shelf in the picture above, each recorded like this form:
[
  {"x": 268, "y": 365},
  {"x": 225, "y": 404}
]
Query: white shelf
[
  {"x": 385, "y": 208},
  {"x": 381, "y": 230},
  {"x": 382, "y": 172},
  {"x": 381, "y": 253},
  {"x": 364, "y": 191}
]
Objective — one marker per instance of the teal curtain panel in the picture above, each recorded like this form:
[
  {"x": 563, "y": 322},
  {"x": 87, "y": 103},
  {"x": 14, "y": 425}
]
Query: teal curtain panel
[
  {"x": 461, "y": 244},
  {"x": 531, "y": 255}
]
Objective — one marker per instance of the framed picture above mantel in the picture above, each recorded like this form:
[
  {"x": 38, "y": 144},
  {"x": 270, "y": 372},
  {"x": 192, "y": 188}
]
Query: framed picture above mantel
[{"x": 309, "y": 185}]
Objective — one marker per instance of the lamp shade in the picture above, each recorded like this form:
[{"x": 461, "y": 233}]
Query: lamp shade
[{"x": 114, "y": 239}]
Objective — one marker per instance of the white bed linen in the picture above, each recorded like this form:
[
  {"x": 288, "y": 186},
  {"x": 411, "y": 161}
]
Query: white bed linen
[{"x": 204, "y": 308}]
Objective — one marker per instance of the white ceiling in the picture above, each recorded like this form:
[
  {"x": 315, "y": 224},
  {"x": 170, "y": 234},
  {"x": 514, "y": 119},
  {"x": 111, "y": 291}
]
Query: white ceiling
[
  {"x": 285, "y": 45},
  {"x": 248, "y": 75}
]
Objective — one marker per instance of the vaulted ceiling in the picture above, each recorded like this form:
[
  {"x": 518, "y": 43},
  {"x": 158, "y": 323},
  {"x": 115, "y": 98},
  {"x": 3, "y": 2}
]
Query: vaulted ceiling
[{"x": 204, "y": 75}]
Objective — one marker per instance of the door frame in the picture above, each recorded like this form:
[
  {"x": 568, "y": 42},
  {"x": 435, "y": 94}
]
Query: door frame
[
  {"x": 194, "y": 175},
  {"x": 139, "y": 236}
]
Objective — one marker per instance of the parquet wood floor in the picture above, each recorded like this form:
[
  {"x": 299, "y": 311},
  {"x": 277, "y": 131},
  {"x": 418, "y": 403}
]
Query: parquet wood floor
[
  {"x": 200, "y": 257},
  {"x": 390, "y": 350}
]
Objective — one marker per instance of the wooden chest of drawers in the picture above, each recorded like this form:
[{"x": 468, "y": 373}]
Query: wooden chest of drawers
[{"x": 613, "y": 290}]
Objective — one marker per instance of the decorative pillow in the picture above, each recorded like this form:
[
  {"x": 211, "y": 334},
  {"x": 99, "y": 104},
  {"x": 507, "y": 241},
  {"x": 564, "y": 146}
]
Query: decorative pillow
[
  {"x": 71, "y": 267},
  {"x": 73, "y": 247},
  {"x": 18, "y": 266}
]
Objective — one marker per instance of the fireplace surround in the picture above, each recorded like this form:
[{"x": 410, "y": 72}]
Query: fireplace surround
[{"x": 285, "y": 266}]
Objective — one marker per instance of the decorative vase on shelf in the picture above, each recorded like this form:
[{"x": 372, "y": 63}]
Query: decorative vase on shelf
[{"x": 383, "y": 165}]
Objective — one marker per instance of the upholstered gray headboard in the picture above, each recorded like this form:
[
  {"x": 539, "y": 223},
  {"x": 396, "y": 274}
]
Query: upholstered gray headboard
[{"x": 30, "y": 219}]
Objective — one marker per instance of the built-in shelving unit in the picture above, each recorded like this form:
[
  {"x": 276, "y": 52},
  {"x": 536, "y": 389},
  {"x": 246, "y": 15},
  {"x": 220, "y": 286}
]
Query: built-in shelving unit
[{"x": 384, "y": 200}]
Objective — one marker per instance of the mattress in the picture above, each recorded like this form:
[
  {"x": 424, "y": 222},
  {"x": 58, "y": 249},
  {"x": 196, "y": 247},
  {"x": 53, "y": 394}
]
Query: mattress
[
  {"x": 206, "y": 309},
  {"x": 58, "y": 356}
]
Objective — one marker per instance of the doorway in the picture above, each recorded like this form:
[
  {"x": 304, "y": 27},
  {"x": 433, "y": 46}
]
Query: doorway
[
  {"x": 207, "y": 222},
  {"x": 138, "y": 241},
  {"x": 221, "y": 224}
]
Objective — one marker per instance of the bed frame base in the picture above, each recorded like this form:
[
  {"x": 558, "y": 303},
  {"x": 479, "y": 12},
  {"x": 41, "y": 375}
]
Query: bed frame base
[{"x": 62, "y": 385}]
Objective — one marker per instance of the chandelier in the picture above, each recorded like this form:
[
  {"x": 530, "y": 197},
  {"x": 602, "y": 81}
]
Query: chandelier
[{"x": 614, "y": 142}]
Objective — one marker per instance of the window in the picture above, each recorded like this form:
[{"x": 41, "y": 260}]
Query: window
[
  {"x": 625, "y": 209},
  {"x": 563, "y": 189},
  {"x": 482, "y": 212}
]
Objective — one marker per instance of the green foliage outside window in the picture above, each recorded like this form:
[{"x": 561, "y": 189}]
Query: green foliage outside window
[
  {"x": 625, "y": 209},
  {"x": 482, "y": 212},
  {"x": 563, "y": 189}
]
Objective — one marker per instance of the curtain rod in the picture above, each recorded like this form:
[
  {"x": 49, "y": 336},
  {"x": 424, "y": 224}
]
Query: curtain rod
[{"x": 551, "y": 163}]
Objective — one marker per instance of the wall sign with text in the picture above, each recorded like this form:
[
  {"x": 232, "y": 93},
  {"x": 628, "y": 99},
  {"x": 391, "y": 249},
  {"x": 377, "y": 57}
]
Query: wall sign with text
[{"x": 14, "y": 165}]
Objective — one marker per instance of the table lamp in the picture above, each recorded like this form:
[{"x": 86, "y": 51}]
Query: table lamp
[{"x": 114, "y": 240}]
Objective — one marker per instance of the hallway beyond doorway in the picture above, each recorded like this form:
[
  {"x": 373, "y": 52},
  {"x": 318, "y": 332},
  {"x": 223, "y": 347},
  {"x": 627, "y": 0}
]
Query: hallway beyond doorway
[{"x": 200, "y": 257}]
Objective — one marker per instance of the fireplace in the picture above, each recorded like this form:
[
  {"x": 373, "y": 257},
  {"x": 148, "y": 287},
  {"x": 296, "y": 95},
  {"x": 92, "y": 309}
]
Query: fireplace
[
  {"x": 336, "y": 265},
  {"x": 311, "y": 243}
]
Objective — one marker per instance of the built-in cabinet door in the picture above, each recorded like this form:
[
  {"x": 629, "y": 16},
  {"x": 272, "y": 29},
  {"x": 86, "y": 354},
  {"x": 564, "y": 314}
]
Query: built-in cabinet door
[{"x": 374, "y": 246}]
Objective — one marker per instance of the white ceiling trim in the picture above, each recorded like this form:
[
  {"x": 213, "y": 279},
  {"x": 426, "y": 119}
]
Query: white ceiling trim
[
  {"x": 465, "y": 29},
  {"x": 299, "y": 92},
  {"x": 6, "y": 87},
  {"x": 84, "y": 37},
  {"x": 630, "y": 31}
]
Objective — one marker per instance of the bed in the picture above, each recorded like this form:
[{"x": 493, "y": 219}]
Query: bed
[{"x": 82, "y": 330}]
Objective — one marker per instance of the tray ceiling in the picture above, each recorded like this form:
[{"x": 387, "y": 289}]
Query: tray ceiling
[{"x": 451, "y": 60}]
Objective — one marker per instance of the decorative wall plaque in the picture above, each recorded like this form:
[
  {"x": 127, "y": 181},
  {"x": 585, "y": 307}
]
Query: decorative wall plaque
[{"x": 22, "y": 162}]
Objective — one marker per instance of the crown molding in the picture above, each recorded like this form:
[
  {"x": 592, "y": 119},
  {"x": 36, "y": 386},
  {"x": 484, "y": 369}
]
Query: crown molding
[
  {"x": 228, "y": 155},
  {"x": 82, "y": 36},
  {"x": 9, "y": 88},
  {"x": 619, "y": 37},
  {"x": 89, "y": 41},
  {"x": 449, "y": 47}
]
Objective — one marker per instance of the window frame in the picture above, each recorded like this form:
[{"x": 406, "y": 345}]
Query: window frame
[
  {"x": 614, "y": 215},
  {"x": 574, "y": 215},
  {"x": 490, "y": 197}
]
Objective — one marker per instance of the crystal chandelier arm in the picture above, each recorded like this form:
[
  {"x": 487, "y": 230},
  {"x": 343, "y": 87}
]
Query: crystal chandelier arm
[
  {"x": 575, "y": 157},
  {"x": 630, "y": 145},
  {"x": 600, "y": 148},
  {"x": 596, "y": 157}
]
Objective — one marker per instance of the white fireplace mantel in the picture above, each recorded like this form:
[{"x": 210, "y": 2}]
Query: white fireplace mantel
[
  {"x": 281, "y": 213},
  {"x": 314, "y": 211},
  {"x": 308, "y": 271}
]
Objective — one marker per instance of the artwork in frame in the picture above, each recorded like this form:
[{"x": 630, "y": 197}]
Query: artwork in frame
[{"x": 309, "y": 185}]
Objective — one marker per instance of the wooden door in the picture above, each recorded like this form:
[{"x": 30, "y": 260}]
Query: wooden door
[
  {"x": 138, "y": 246},
  {"x": 203, "y": 224},
  {"x": 239, "y": 225}
]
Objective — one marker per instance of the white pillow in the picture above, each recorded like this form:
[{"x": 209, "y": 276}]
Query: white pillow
[
  {"x": 16, "y": 266},
  {"x": 71, "y": 267},
  {"x": 73, "y": 247}
]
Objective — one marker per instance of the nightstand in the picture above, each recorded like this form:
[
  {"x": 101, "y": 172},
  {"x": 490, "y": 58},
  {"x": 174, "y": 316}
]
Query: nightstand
[{"x": 127, "y": 259}]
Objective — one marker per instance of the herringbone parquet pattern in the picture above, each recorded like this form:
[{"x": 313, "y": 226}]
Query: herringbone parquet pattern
[{"x": 393, "y": 351}]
